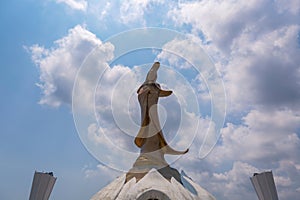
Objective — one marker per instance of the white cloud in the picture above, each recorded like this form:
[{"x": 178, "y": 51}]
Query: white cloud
[
  {"x": 75, "y": 4},
  {"x": 105, "y": 10},
  {"x": 58, "y": 65},
  {"x": 264, "y": 139},
  {"x": 256, "y": 52},
  {"x": 224, "y": 21},
  {"x": 265, "y": 71},
  {"x": 288, "y": 6},
  {"x": 220, "y": 21},
  {"x": 131, "y": 11},
  {"x": 282, "y": 181},
  {"x": 287, "y": 179},
  {"x": 101, "y": 10},
  {"x": 115, "y": 89},
  {"x": 100, "y": 171},
  {"x": 234, "y": 184},
  {"x": 190, "y": 59},
  {"x": 189, "y": 50}
]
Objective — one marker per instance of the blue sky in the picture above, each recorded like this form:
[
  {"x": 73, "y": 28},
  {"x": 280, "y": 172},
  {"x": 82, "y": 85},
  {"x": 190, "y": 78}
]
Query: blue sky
[{"x": 254, "y": 46}]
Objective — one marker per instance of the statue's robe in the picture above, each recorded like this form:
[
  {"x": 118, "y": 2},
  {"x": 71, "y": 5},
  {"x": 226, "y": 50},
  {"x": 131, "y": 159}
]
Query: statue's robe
[{"x": 150, "y": 137}]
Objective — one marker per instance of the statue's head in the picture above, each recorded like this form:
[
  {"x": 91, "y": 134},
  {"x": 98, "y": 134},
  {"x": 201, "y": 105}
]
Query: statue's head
[
  {"x": 152, "y": 74},
  {"x": 151, "y": 80}
]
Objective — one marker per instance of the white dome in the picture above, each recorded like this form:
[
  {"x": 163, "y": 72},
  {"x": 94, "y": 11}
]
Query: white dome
[{"x": 153, "y": 186}]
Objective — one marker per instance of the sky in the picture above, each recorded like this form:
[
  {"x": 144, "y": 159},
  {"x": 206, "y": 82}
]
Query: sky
[{"x": 70, "y": 70}]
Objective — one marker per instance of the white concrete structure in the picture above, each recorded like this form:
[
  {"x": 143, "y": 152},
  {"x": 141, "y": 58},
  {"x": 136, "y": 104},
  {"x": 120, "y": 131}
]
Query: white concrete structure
[{"x": 153, "y": 186}]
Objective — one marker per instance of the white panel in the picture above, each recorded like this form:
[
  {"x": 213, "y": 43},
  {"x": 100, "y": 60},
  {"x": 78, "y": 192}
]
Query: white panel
[
  {"x": 264, "y": 186},
  {"x": 42, "y": 186}
]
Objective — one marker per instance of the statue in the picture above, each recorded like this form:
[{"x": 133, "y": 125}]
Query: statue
[
  {"x": 151, "y": 177},
  {"x": 150, "y": 138}
]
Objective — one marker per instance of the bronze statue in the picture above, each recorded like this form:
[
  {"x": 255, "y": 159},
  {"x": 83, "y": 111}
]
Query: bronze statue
[{"x": 150, "y": 138}]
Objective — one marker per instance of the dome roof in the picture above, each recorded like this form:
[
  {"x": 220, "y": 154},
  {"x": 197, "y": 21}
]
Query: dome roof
[{"x": 153, "y": 186}]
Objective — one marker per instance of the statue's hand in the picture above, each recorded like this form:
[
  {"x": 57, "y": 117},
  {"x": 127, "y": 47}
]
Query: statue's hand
[{"x": 165, "y": 93}]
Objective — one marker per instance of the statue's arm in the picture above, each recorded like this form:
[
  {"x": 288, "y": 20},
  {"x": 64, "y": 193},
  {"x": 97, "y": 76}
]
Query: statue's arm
[{"x": 165, "y": 93}]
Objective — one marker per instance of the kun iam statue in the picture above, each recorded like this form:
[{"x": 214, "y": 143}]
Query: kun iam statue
[
  {"x": 151, "y": 177},
  {"x": 150, "y": 138}
]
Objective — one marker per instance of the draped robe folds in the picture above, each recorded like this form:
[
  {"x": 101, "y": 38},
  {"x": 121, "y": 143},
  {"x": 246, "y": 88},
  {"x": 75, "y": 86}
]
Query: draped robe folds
[{"x": 150, "y": 137}]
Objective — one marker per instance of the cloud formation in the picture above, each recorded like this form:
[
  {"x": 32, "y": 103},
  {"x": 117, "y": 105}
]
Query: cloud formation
[
  {"x": 264, "y": 141},
  {"x": 258, "y": 58},
  {"x": 131, "y": 11},
  {"x": 258, "y": 53},
  {"x": 58, "y": 65},
  {"x": 75, "y": 4}
]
